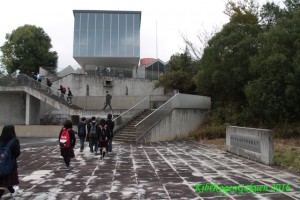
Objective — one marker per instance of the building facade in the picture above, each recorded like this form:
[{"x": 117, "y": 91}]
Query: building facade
[{"x": 107, "y": 41}]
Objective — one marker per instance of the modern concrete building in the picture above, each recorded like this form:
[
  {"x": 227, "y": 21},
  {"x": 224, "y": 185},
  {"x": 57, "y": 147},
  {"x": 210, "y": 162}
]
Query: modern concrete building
[{"x": 107, "y": 42}]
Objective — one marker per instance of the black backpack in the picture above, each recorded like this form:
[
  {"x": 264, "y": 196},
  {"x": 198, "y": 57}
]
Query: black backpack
[
  {"x": 81, "y": 131},
  {"x": 7, "y": 161},
  {"x": 93, "y": 131}
]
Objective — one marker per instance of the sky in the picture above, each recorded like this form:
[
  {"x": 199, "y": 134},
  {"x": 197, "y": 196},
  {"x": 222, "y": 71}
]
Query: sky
[{"x": 163, "y": 22}]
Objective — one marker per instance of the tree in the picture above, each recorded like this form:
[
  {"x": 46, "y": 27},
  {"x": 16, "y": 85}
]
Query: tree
[
  {"x": 181, "y": 70},
  {"x": 274, "y": 94},
  {"x": 224, "y": 66},
  {"x": 27, "y": 48},
  {"x": 269, "y": 15}
]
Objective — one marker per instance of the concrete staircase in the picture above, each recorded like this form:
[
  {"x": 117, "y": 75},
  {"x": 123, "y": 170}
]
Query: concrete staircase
[{"x": 127, "y": 132}]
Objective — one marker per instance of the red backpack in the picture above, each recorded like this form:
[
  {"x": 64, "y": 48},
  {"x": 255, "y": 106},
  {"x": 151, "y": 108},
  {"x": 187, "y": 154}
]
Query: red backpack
[{"x": 64, "y": 140}]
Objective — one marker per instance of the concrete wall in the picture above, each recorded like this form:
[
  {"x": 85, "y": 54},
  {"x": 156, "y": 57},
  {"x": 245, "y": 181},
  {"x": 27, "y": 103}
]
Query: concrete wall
[
  {"x": 51, "y": 131},
  {"x": 117, "y": 102},
  {"x": 178, "y": 123},
  {"x": 191, "y": 101},
  {"x": 12, "y": 108},
  {"x": 251, "y": 143},
  {"x": 121, "y": 86}
]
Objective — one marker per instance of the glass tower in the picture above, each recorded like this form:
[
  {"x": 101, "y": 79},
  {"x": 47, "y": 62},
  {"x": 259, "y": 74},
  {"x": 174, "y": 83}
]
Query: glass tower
[{"x": 107, "y": 38}]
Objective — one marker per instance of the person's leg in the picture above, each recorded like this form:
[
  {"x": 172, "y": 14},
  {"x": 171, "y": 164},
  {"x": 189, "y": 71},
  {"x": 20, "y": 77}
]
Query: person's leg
[
  {"x": 91, "y": 144},
  {"x": 81, "y": 143},
  {"x": 67, "y": 161},
  {"x": 110, "y": 106},
  {"x": 109, "y": 145},
  {"x": 11, "y": 189},
  {"x": 96, "y": 146}
]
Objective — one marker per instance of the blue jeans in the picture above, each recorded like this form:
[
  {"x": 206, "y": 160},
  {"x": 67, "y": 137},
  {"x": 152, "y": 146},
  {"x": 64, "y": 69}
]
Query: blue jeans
[
  {"x": 93, "y": 143},
  {"x": 82, "y": 139}
]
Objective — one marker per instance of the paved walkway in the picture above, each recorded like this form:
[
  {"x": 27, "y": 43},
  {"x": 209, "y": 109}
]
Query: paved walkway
[{"x": 167, "y": 170}]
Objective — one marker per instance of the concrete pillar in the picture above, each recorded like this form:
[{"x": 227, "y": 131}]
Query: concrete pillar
[{"x": 27, "y": 109}]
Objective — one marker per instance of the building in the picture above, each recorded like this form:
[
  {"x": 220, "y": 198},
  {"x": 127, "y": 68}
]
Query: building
[{"x": 107, "y": 42}]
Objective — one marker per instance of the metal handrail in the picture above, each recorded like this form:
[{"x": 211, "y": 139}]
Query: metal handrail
[
  {"x": 140, "y": 102},
  {"x": 160, "y": 108},
  {"x": 25, "y": 80}
]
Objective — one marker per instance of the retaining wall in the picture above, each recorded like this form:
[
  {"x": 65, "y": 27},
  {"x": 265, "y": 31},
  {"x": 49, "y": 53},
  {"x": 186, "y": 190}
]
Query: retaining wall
[{"x": 251, "y": 143}]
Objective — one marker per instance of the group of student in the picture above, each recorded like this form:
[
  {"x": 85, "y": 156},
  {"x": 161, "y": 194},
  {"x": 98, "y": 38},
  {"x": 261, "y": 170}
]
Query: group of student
[
  {"x": 98, "y": 134},
  {"x": 63, "y": 91}
]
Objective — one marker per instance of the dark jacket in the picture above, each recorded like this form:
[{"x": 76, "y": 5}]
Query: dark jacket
[
  {"x": 111, "y": 126},
  {"x": 103, "y": 133},
  {"x": 82, "y": 126}
]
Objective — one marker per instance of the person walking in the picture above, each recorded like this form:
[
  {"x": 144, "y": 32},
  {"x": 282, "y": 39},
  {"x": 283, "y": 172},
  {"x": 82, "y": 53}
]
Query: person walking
[
  {"x": 67, "y": 141},
  {"x": 8, "y": 137},
  {"x": 82, "y": 132},
  {"x": 93, "y": 136},
  {"x": 107, "y": 101},
  {"x": 111, "y": 126},
  {"x": 103, "y": 132},
  {"x": 70, "y": 96},
  {"x": 62, "y": 92},
  {"x": 49, "y": 84}
]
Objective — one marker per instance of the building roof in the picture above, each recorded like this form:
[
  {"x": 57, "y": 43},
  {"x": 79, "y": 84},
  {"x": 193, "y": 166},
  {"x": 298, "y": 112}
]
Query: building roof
[{"x": 107, "y": 11}]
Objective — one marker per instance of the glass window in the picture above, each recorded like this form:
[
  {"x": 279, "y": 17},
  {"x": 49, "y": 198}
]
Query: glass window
[
  {"x": 83, "y": 21},
  {"x": 98, "y": 43},
  {"x": 99, "y": 21},
  {"x": 83, "y": 38},
  {"x": 136, "y": 44},
  {"x": 114, "y": 23},
  {"x": 107, "y": 22},
  {"x": 76, "y": 50},
  {"x": 91, "y": 21},
  {"x": 76, "y": 37},
  {"x": 106, "y": 43},
  {"x": 77, "y": 22},
  {"x": 114, "y": 44},
  {"x": 137, "y": 22},
  {"x": 83, "y": 49},
  {"x": 122, "y": 22},
  {"x": 91, "y": 43},
  {"x": 129, "y": 22}
]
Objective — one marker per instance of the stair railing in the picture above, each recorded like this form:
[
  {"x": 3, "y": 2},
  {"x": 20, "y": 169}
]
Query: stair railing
[
  {"x": 131, "y": 112},
  {"x": 24, "y": 80},
  {"x": 148, "y": 122}
]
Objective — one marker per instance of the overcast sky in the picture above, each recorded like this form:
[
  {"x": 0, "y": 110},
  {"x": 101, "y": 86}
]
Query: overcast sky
[{"x": 171, "y": 17}]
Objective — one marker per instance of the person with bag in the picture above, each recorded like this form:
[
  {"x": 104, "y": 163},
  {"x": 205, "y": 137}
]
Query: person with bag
[
  {"x": 111, "y": 126},
  {"x": 93, "y": 136},
  {"x": 82, "y": 132},
  {"x": 67, "y": 141},
  {"x": 103, "y": 132},
  {"x": 9, "y": 152}
]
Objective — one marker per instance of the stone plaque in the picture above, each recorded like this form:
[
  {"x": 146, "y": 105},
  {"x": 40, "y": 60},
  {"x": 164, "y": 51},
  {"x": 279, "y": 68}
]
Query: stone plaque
[{"x": 251, "y": 144}]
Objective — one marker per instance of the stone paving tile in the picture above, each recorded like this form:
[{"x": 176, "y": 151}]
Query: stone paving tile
[{"x": 164, "y": 170}]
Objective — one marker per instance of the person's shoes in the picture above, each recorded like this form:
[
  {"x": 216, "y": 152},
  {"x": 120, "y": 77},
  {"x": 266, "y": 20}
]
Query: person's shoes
[
  {"x": 96, "y": 153},
  {"x": 16, "y": 189},
  {"x": 101, "y": 157},
  {"x": 81, "y": 150}
]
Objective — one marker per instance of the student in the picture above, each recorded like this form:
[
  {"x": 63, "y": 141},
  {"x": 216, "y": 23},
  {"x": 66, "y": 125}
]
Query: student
[
  {"x": 111, "y": 126},
  {"x": 49, "y": 84},
  {"x": 67, "y": 151},
  {"x": 62, "y": 92},
  {"x": 70, "y": 95},
  {"x": 82, "y": 132},
  {"x": 103, "y": 132},
  {"x": 93, "y": 136},
  {"x": 107, "y": 101},
  {"x": 9, "y": 136}
]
